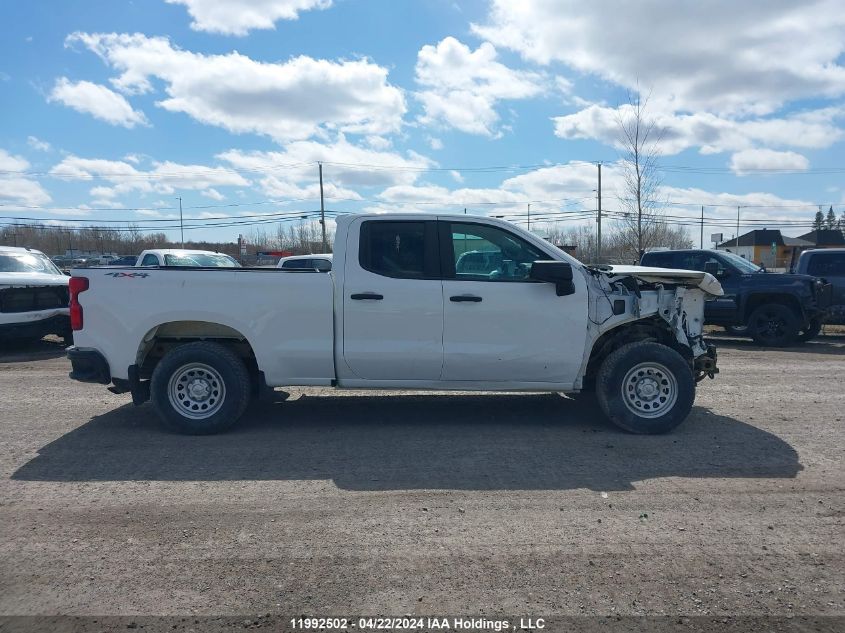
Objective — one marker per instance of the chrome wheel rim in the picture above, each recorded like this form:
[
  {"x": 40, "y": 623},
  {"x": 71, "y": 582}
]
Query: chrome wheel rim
[
  {"x": 196, "y": 391},
  {"x": 649, "y": 390}
]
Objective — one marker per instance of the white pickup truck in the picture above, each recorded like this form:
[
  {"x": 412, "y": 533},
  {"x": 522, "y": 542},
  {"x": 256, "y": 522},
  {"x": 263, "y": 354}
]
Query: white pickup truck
[
  {"x": 33, "y": 296},
  {"x": 184, "y": 257},
  {"x": 397, "y": 313}
]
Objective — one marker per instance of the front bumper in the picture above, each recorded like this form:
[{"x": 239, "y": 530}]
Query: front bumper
[
  {"x": 705, "y": 365},
  {"x": 88, "y": 365},
  {"x": 57, "y": 324}
]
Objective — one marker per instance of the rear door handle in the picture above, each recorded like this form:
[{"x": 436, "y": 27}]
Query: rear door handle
[
  {"x": 371, "y": 296},
  {"x": 459, "y": 298}
]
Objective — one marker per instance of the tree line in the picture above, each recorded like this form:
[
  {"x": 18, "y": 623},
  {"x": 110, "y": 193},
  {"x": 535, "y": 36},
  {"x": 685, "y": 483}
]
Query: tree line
[
  {"x": 829, "y": 221},
  {"x": 58, "y": 240}
]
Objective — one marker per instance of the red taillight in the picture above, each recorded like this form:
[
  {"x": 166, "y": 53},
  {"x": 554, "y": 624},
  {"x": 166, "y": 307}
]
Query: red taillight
[{"x": 76, "y": 285}]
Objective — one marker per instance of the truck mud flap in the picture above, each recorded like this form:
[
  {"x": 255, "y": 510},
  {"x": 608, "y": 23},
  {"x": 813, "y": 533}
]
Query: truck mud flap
[{"x": 140, "y": 389}]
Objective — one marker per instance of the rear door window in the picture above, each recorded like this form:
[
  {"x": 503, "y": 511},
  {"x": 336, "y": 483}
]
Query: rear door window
[
  {"x": 405, "y": 250},
  {"x": 659, "y": 260},
  {"x": 298, "y": 264},
  {"x": 827, "y": 264}
]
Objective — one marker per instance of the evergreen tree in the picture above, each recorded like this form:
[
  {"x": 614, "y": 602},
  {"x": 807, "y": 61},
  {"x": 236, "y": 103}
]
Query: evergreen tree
[
  {"x": 818, "y": 221},
  {"x": 831, "y": 219}
]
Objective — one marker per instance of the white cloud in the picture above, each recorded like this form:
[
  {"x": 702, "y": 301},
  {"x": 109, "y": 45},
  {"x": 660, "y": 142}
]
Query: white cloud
[
  {"x": 462, "y": 87},
  {"x": 379, "y": 142},
  {"x": 292, "y": 172},
  {"x": 238, "y": 17},
  {"x": 287, "y": 100},
  {"x": 570, "y": 188},
  {"x": 435, "y": 143},
  {"x": 750, "y": 160},
  {"x": 719, "y": 56},
  {"x": 709, "y": 132},
  {"x": 409, "y": 194},
  {"x": 213, "y": 194},
  {"x": 98, "y": 101},
  {"x": 11, "y": 163},
  {"x": 164, "y": 178},
  {"x": 37, "y": 144},
  {"x": 16, "y": 188}
]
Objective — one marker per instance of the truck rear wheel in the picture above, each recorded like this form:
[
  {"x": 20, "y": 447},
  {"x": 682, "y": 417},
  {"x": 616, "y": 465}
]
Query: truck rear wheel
[
  {"x": 200, "y": 388},
  {"x": 646, "y": 388},
  {"x": 773, "y": 325}
]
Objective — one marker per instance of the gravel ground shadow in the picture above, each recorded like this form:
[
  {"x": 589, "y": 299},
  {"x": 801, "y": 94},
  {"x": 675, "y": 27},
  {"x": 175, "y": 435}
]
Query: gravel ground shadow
[{"x": 407, "y": 442}]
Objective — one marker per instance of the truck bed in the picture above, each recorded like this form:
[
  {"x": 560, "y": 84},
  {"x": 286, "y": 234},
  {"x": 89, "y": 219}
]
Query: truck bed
[{"x": 267, "y": 303}]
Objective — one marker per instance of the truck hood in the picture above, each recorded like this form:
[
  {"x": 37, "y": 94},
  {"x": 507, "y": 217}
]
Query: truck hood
[
  {"x": 707, "y": 282},
  {"x": 21, "y": 280}
]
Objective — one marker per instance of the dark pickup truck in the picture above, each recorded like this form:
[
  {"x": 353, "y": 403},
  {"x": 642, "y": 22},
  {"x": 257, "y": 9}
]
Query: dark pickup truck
[
  {"x": 775, "y": 309},
  {"x": 829, "y": 264}
]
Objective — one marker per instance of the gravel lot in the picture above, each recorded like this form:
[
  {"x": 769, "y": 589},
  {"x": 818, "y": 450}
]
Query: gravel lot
[{"x": 331, "y": 502}]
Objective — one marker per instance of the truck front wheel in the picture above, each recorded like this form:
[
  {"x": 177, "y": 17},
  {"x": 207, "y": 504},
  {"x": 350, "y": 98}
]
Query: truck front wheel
[
  {"x": 773, "y": 325},
  {"x": 200, "y": 388},
  {"x": 646, "y": 388}
]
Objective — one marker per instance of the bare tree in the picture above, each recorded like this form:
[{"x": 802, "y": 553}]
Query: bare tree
[{"x": 639, "y": 138}]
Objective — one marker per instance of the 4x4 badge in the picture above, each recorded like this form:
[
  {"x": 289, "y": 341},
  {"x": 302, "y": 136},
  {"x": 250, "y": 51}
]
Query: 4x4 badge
[{"x": 131, "y": 275}]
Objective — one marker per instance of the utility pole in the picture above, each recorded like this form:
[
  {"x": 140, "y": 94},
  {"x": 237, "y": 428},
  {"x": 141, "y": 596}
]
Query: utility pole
[
  {"x": 702, "y": 228},
  {"x": 529, "y": 216},
  {"x": 598, "y": 220},
  {"x": 181, "y": 226},
  {"x": 737, "y": 227},
  {"x": 323, "y": 210}
]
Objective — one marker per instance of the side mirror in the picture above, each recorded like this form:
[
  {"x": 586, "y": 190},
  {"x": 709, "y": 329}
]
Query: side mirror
[{"x": 554, "y": 272}]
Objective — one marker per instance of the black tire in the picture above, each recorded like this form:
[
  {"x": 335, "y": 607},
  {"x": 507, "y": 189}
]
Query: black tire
[
  {"x": 773, "y": 325},
  {"x": 811, "y": 332},
  {"x": 627, "y": 369},
  {"x": 221, "y": 379},
  {"x": 737, "y": 330}
]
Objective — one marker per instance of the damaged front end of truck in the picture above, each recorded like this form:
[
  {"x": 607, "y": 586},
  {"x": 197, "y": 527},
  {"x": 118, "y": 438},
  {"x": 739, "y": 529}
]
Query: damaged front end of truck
[{"x": 636, "y": 303}]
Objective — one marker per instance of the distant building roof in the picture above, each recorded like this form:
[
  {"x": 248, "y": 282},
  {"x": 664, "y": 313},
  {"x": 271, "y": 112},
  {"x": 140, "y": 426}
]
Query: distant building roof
[
  {"x": 825, "y": 237},
  {"x": 758, "y": 237},
  {"x": 795, "y": 241}
]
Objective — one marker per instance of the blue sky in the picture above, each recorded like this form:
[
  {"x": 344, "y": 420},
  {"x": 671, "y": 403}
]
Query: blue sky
[{"x": 112, "y": 110}]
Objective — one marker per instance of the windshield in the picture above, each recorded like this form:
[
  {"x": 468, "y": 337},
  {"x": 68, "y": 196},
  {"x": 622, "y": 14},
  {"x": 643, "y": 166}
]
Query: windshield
[
  {"x": 741, "y": 263},
  {"x": 27, "y": 263},
  {"x": 201, "y": 259}
]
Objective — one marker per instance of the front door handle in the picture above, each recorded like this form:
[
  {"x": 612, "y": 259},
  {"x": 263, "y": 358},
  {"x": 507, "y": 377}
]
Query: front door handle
[
  {"x": 472, "y": 298},
  {"x": 371, "y": 296}
]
